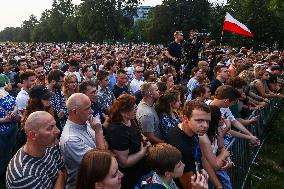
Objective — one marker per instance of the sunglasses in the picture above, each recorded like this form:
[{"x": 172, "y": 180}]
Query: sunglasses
[{"x": 139, "y": 71}]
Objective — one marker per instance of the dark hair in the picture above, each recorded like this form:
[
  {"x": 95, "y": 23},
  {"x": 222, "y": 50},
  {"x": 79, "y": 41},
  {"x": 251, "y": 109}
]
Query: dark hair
[
  {"x": 124, "y": 103},
  {"x": 110, "y": 63},
  {"x": 216, "y": 116},
  {"x": 147, "y": 74},
  {"x": 182, "y": 89},
  {"x": 162, "y": 86},
  {"x": 273, "y": 68},
  {"x": 261, "y": 73},
  {"x": 94, "y": 167},
  {"x": 163, "y": 157},
  {"x": 226, "y": 92},
  {"x": 84, "y": 85},
  {"x": 54, "y": 75},
  {"x": 236, "y": 82},
  {"x": 163, "y": 103},
  {"x": 198, "y": 91},
  {"x": 193, "y": 71},
  {"x": 85, "y": 68},
  {"x": 35, "y": 104},
  {"x": 73, "y": 62},
  {"x": 120, "y": 71},
  {"x": 165, "y": 78},
  {"x": 54, "y": 59},
  {"x": 101, "y": 74},
  {"x": 25, "y": 75},
  {"x": 218, "y": 69},
  {"x": 20, "y": 61},
  {"x": 194, "y": 105}
]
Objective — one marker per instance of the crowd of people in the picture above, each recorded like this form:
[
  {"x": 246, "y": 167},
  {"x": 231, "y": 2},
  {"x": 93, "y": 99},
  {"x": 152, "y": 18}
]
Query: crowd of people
[{"x": 101, "y": 116}]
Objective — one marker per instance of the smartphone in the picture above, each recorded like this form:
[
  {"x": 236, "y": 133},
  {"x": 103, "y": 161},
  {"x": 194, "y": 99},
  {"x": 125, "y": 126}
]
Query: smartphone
[{"x": 197, "y": 167}]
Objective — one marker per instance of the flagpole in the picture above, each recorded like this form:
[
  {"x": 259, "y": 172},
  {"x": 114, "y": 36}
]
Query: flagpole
[{"x": 221, "y": 38}]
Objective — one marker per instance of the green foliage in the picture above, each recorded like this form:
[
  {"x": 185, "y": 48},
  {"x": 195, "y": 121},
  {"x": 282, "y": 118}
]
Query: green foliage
[
  {"x": 111, "y": 20},
  {"x": 175, "y": 15}
]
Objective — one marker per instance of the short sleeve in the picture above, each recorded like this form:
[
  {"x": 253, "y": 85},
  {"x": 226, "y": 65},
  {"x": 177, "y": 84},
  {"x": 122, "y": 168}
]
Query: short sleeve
[
  {"x": 21, "y": 103},
  {"x": 76, "y": 149},
  {"x": 226, "y": 112}
]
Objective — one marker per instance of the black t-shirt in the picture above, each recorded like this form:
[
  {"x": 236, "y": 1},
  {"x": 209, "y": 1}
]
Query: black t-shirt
[
  {"x": 214, "y": 85},
  {"x": 117, "y": 91},
  {"x": 174, "y": 49},
  {"x": 187, "y": 146},
  {"x": 272, "y": 79},
  {"x": 121, "y": 137}
]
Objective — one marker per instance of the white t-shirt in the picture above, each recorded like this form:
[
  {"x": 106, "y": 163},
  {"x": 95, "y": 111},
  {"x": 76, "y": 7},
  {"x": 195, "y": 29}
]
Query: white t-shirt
[
  {"x": 22, "y": 99},
  {"x": 135, "y": 85}
]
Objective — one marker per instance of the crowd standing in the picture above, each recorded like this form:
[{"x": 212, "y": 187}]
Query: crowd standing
[{"x": 129, "y": 115}]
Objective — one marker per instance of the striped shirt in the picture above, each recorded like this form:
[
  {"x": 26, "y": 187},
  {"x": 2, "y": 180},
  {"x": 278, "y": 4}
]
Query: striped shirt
[{"x": 25, "y": 171}]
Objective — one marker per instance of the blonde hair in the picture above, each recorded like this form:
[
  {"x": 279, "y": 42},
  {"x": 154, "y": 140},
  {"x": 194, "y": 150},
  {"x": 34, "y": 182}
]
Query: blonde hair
[{"x": 65, "y": 88}]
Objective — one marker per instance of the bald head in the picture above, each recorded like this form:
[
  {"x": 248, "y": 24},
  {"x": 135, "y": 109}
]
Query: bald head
[
  {"x": 76, "y": 101},
  {"x": 36, "y": 120}
]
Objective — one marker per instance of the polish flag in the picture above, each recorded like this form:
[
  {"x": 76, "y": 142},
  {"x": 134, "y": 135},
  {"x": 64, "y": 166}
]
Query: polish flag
[{"x": 235, "y": 26}]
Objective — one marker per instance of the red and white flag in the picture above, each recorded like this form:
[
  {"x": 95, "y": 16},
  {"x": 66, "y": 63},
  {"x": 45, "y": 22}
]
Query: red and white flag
[{"x": 235, "y": 26}]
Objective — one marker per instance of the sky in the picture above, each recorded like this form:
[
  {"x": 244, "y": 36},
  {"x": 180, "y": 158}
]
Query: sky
[{"x": 14, "y": 12}]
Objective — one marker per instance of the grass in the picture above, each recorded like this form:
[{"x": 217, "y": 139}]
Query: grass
[{"x": 270, "y": 162}]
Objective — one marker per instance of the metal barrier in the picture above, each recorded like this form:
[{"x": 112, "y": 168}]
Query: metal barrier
[{"x": 244, "y": 155}]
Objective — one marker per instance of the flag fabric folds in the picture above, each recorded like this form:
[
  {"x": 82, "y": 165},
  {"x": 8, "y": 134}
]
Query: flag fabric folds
[{"x": 233, "y": 25}]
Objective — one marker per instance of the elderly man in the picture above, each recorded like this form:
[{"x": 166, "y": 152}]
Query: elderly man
[
  {"x": 81, "y": 133},
  {"x": 38, "y": 164}
]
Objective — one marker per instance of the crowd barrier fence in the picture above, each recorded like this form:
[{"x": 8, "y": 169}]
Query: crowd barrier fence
[{"x": 242, "y": 154}]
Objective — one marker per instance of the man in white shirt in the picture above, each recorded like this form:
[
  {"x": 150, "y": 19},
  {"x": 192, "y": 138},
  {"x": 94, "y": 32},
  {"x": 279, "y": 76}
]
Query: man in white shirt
[
  {"x": 137, "y": 82},
  {"x": 27, "y": 78},
  {"x": 224, "y": 97}
]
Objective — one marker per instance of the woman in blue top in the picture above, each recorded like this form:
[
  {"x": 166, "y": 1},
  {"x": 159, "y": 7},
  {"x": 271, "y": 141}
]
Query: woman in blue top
[
  {"x": 8, "y": 126},
  {"x": 195, "y": 81},
  {"x": 166, "y": 107}
]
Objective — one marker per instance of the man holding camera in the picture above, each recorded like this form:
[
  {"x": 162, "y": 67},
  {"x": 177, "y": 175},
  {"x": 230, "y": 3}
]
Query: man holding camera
[{"x": 174, "y": 53}]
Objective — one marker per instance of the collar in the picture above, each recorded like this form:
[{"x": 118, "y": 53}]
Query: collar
[
  {"x": 24, "y": 91},
  {"x": 143, "y": 102},
  {"x": 76, "y": 126}
]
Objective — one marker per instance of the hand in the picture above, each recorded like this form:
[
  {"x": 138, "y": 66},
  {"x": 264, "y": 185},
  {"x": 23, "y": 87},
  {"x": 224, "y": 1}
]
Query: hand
[
  {"x": 8, "y": 119},
  {"x": 144, "y": 148},
  {"x": 223, "y": 130},
  {"x": 199, "y": 181},
  {"x": 257, "y": 107},
  {"x": 227, "y": 164},
  {"x": 253, "y": 119},
  {"x": 266, "y": 100},
  {"x": 254, "y": 141},
  {"x": 61, "y": 178},
  {"x": 263, "y": 103},
  {"x": 95, "y": 123},
  {"x": 61, "y": 114}
]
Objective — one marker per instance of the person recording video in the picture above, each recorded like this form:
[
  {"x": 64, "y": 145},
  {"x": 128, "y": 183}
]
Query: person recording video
[{"x": 174, "y": 52}]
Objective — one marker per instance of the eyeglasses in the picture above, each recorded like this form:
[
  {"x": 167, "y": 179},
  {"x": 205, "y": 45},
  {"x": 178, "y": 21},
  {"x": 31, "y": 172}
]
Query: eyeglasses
[{"x": 139, "y": 71}]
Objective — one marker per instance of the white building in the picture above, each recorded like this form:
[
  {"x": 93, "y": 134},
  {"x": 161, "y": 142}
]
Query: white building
[{"x": 142, "y": 12}]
